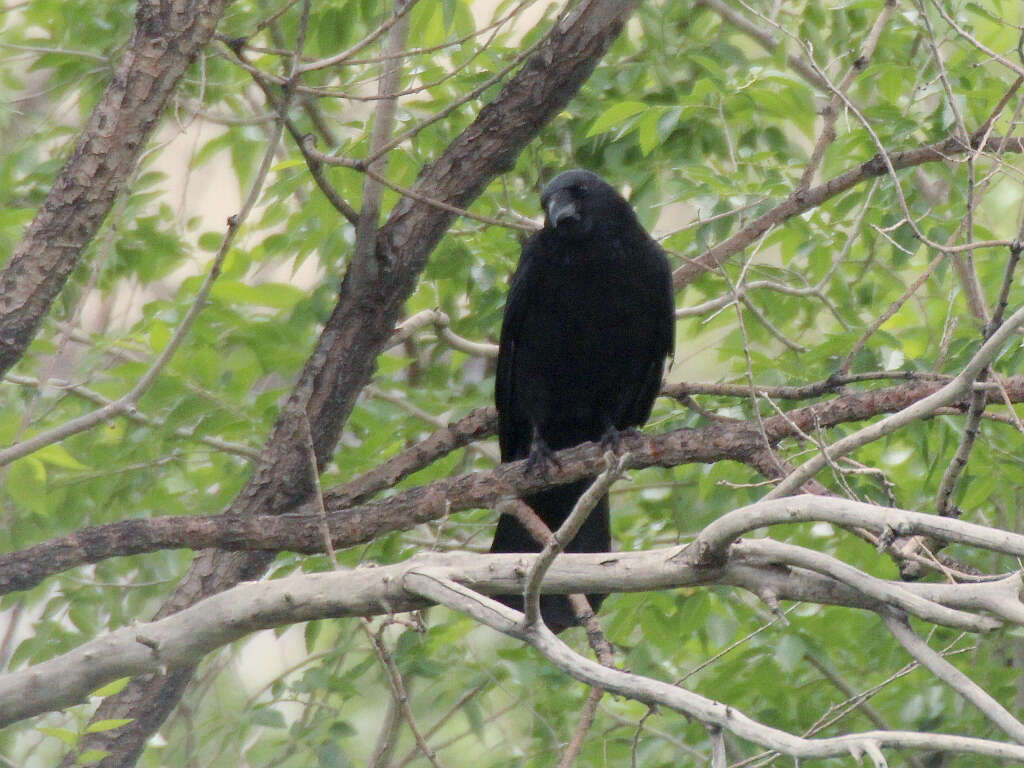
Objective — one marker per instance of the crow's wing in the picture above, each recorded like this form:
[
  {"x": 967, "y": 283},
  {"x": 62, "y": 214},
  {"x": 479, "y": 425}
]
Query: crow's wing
[{"x": 514, "y": 430}]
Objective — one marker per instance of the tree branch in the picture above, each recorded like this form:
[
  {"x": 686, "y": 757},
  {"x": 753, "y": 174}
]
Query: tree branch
[
  {"x": 179, "y": 641},
  {"x": 948, "y": 393},
  {"x": 764, "y": 38},
  {"x": 712, "y": 543},
  {"x": 953, "y": 677},
  {"x": 567, "y": 532},
  {"x": 299, "y": 530},
  {"x": 166, "y": 38},
  {"x": 804, "y": 200},
  {"x": 707, "y": 711},
  {"x": 831, "y": 112}
]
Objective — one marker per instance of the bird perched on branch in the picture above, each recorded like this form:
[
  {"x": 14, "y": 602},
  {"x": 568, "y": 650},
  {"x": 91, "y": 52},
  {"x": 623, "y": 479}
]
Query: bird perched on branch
[{"x": 589, "y": 321}]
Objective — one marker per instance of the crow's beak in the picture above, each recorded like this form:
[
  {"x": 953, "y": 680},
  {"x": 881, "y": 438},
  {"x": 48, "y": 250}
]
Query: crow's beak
[{"x": 562, "y": 207}]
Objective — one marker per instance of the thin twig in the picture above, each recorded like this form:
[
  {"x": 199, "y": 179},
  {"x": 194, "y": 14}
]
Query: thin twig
[
  {"x": 398, "y": 689},
  {"x": 567, "y": 532},
  {"x": 360, "y": 165},
  {"x": 587, "y": 713},
  {"x": 764, "y": 38},
  {"x": 963, "y": 262},
  {"x": 399, "y": 13},
  {"x": 126, "y": 402},
  {"x": 831, "y": 112},
  {"x": 136, "y": 416},
  {"x": 993, "y": 711},
  {"x": 363, "y": 257}
]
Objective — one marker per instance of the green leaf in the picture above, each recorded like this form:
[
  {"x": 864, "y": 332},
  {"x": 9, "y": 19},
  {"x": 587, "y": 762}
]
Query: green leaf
[
  {"x": 647, "y": 131},
  {"x": 58, "y": 455},
  {"x": 614, "y": 115},
  {"x": 107, "y": 725},
  {"x": 26, "y": 485},
  {"x": 311, "y": 632},
  {"x": 115, "y": 686},
  {"x": 91, "y": 756},
  {"x": 275, "y": 295},
  {"x": 329, "y": 755},
  {"x": 269, "y": 717},
  {"x": 286, "y": 164}
]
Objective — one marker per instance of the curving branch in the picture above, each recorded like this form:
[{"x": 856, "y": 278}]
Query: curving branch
[
  {"x": 953, "y": 677},
  {"x": 877, "y": 589},
  {"x": 179, "y": 641},
  {"x": 713, "y": 542},
  {"x": 557, "y": 541},
  {"x": 478, "y": 424},
  {"x": 955, "y": 390},
  {"x": 707, "y": 711}
]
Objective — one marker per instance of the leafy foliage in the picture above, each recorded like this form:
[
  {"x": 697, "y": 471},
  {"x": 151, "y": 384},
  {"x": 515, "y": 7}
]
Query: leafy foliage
[{"x": 706, "y": 130}]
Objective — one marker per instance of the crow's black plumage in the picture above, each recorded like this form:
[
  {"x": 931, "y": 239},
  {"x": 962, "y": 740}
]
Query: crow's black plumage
[{"x": 588, "y": 324}]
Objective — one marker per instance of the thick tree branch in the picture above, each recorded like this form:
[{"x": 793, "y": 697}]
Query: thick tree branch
[
  {"x": 166, "y": 38},
  {"x": 877, "y": 589},
  {"x": 299, "y": 531},
  {"x": 760, "y": 566},
  {"x": 478, "y": 424},
  {"x": 713, "y": 542}
]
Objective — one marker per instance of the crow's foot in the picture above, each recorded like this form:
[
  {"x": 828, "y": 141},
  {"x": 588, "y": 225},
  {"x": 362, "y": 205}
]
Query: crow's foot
[
  {"x": 611, "y": 440},
  {"x": 541, "y": 458}
]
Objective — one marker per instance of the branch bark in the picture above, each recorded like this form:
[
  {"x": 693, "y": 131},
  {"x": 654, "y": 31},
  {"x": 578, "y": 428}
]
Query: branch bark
[
  {"x": 178, "y": 642},
  {"x": 166, "y": 38},
  {"x": 352, "y": 521}
]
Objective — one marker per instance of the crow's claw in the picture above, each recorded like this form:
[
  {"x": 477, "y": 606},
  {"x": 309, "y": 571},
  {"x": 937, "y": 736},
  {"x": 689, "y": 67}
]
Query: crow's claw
[
  {"x": 611, "y": 440},
  {"x": 541, "y": 458}
]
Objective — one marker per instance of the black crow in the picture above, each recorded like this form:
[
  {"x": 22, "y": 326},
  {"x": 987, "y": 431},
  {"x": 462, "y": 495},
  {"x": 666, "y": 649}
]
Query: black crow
[{"x": 588, "y": 324}]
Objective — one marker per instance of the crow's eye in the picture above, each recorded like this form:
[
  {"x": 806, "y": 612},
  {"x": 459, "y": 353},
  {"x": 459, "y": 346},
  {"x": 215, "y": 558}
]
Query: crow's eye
[{"x": 579, "y": 192}]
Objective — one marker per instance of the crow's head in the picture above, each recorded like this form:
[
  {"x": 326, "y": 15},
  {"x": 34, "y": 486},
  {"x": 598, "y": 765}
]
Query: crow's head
[{"x": 578, "y": 204}]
